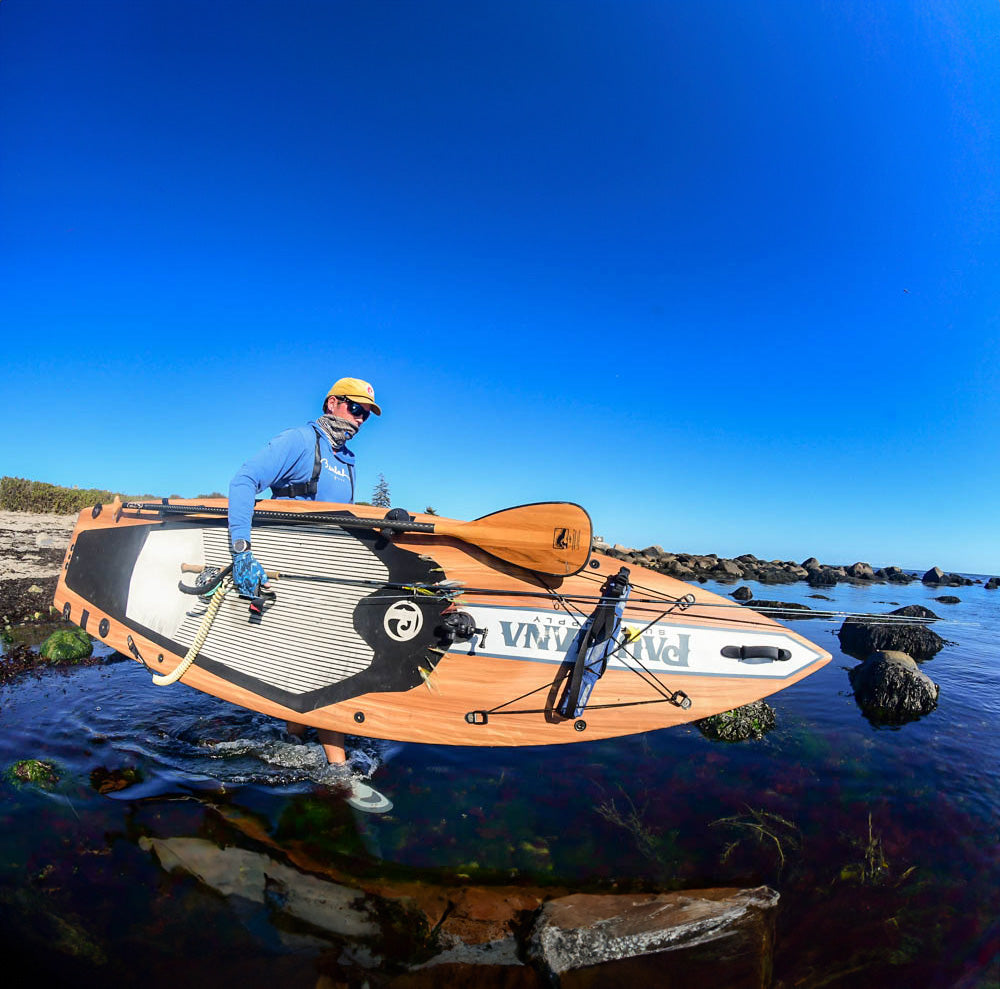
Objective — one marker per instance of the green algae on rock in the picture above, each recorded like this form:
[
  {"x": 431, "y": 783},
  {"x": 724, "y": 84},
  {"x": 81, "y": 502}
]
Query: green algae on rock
[
  {"x": 749, "y": 721},
  {"x": 35, "y": 771},
  {"x": 67, "y": 645}
]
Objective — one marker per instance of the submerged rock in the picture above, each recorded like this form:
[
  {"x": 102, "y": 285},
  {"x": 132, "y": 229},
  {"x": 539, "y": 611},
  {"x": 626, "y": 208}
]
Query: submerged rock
[
  {"x": 948, "y": 599},
  {"x": 721, "y": 935},
  {"x": 753, "y": 720},
  {"x": 105, "y": 780},
  {"x": 43, "y": 774},
  {"x": 861, "y": 636},
  {"x": 257, "y": 878},
  {"x": 67, "y": 646},
  {"x": 891, "y": 689}
]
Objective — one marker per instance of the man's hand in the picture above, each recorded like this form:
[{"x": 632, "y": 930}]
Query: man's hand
[{"x": 248, "y": 575}]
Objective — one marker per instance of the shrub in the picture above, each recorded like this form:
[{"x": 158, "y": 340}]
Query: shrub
[{"x": 20, "y": 495}]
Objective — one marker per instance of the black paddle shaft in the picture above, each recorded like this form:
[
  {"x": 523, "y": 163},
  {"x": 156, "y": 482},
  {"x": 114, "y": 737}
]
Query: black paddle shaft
[{"x": 323, "y": 518}]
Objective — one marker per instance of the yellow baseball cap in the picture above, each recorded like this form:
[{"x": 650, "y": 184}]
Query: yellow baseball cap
[{"x": 356, "y": 389}]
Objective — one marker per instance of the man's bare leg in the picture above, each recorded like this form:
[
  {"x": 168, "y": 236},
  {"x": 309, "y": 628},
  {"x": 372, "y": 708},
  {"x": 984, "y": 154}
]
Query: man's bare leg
[
  {"x": 333, "y": 745},
  {"x": 332, "y": 741}
]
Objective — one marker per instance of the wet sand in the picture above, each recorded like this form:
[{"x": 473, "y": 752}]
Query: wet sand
[{"x": 32, "y": 548}]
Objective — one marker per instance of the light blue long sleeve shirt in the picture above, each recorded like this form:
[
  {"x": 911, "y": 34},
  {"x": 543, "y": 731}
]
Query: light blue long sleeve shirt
[{"x": 289, "y": 459}]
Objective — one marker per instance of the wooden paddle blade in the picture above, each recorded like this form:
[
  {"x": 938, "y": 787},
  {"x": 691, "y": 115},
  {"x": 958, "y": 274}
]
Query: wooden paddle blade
[{"x": 550, "y": 537}]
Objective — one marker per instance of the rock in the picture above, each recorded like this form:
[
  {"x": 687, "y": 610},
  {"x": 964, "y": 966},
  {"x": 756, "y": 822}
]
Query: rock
[
  {"x": 782, "y": 611},
  {"x": 726, "y": 568},
  {"x": 653, "y": 552},
  {"x": 860, "y": 637},
  {"x": 824, "y": 577},
  {"x": 680, "y": 570},
  {"x": 656, "y": 938},
  {"x": 811, "y": 564},
  {"x": 891, "y": 689},
  {"x": 43, "y": 774},
  {"x": 749, "y": 721},
  {"x": 742, "y": 594},
  {"x": 105, "y": 780},
  {"x": 67, "y": 646},
  {"x": 247, "y": 875},
  {"x": 933, "y": 576},
  {"x": 770, "y": 574},
  {"x": 916, "y": 611},
  {"x": 861, "y": 571},
  {"x": 948, "y": 599},
  {"x": 993, "y": 583}
]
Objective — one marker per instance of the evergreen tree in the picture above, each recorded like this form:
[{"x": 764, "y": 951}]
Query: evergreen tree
[{"x": 380, "y": 496}]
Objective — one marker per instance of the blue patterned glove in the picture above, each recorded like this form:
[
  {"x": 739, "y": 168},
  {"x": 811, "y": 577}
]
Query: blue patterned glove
[{"x": 248, "y": 574}]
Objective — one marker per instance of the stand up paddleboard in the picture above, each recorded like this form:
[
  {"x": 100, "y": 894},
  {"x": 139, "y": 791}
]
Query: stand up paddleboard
[{"x": 501, "y": 631}]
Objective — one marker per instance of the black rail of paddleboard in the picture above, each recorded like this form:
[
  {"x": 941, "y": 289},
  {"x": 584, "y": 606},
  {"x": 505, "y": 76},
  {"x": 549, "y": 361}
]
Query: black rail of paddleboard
[{"x": 323, "y": 518}]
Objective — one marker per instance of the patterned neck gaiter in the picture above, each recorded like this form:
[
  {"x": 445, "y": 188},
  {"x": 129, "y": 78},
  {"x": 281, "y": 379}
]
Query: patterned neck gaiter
[{"x": 338, "y": 431}]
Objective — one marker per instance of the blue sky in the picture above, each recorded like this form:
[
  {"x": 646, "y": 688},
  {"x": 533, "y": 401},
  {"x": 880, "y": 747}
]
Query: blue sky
[{"x": 724, "y": 273}]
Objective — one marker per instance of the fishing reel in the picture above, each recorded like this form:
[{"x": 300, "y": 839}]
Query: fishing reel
[{"x": 459, "y": 626}]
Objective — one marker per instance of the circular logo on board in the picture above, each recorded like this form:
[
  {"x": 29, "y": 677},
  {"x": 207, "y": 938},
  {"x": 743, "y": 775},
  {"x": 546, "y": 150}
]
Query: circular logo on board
[{"x": 403, "y": 621}]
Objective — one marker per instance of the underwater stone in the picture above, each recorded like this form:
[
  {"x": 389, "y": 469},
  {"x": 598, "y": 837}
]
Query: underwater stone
[
  {"x": 891, "y": 689},
  {"x": 656, "y": 938},
  {"x": 35, "y": 771},
  {"x": 749, "y": 721},
  {"x": 248, "y": 875}
]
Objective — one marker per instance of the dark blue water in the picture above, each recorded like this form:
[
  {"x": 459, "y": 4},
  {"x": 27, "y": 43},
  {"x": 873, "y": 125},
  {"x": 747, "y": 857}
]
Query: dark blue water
[{"x": 882, "y": 841}]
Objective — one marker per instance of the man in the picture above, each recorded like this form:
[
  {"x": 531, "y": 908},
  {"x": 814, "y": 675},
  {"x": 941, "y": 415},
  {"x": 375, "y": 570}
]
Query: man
[{"x": 305, "y": 462}]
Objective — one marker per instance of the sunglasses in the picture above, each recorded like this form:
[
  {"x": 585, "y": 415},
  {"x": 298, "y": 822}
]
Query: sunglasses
[{"x": 356, "y": 410}]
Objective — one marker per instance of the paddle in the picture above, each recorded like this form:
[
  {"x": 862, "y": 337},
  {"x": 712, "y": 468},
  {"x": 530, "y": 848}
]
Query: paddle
[{"x": 549, "y": 537}]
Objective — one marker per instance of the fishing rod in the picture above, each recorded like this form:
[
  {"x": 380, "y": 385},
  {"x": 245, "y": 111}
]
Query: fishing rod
[{"x": 448, "y": 590}]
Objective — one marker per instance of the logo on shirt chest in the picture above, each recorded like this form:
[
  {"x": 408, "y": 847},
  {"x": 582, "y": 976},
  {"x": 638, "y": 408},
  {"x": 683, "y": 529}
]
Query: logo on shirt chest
[{"x": 336, "y": 468}]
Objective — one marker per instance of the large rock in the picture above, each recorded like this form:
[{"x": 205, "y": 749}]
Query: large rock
[
  {"x": 861, "y": 636},
  {"x": 891, "y": 689},
  {"x": 821, "y": 577},
  {"x": 721, "y": 935},
  {"x": 937, "y": 576},
  {"x": 727, "y": 569},
  {"x": 258, "y": 878},
  {"x": 742, "y": 593},
  {"x": 861, "y": 571},
  {"x": 993, "y": 583},
  {"x": 67, "y": 645}
]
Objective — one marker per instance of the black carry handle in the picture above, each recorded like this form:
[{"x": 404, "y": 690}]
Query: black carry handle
[{"x": 760, "y": 654}]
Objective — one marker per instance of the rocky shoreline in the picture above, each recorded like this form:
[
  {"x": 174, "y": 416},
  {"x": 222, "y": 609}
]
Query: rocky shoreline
[{"x": 692, "y": 567}]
